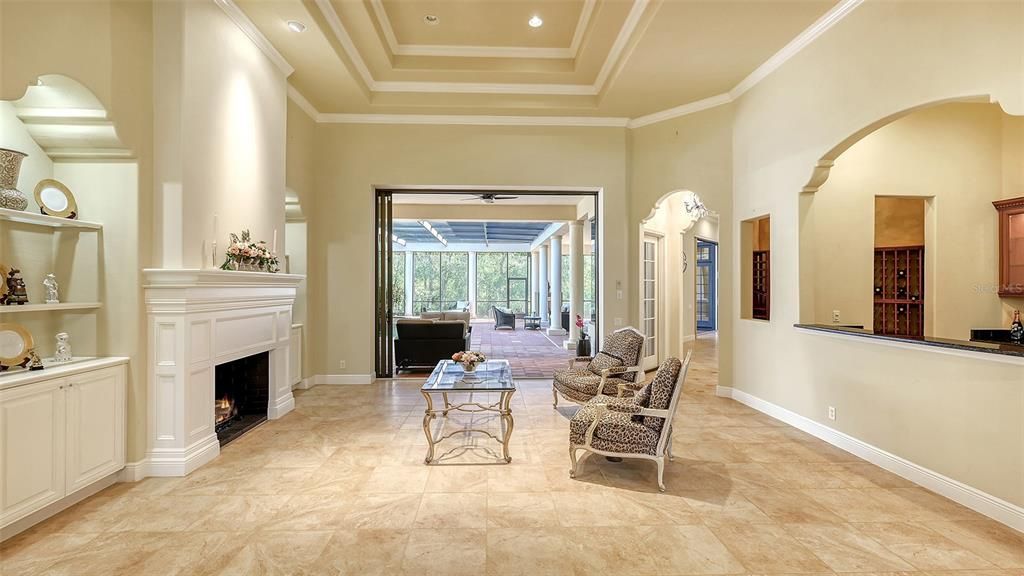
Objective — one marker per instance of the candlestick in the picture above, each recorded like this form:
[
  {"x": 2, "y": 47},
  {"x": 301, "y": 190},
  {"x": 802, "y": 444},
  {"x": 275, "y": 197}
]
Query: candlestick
[
  {"x": 213, "y": 255},
  {"x": 273, "y": 249},
  {"x": 215, "y": 234}
]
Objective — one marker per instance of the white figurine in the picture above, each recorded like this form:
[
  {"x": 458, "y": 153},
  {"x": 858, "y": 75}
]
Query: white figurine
[
  {"x": 51, "y": 289},
  {"x": 63, "y": 353}
]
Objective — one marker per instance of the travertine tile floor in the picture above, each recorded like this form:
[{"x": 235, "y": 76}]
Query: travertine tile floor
[{"x": 339, "y": 487}]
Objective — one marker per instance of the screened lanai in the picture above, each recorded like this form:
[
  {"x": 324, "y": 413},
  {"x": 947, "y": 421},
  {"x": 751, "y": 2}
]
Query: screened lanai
[{"x": 518, "y": 260}]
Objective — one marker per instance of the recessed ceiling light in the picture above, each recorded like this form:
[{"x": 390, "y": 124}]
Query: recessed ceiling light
[
  {"x": 535, "y": 22},
  {"x": 296, "y": 26},
  {"x": 431, "y": 20}
]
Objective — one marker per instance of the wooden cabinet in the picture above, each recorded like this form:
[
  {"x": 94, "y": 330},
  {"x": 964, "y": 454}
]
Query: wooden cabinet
[
  {"x": 58, "y": 434},
  {"x": 1011, "y": 246},
  {"x": 762, "y": 282},
  {"x": 899, "y": 291},
  {"x": 32, "y": 448}
]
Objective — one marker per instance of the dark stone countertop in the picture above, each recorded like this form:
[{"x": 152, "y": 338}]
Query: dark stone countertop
[{"x": 1004, "y": 349}]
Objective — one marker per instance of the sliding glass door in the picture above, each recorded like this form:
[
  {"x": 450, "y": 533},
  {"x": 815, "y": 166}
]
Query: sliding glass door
[{"x": 384, "y": 281}]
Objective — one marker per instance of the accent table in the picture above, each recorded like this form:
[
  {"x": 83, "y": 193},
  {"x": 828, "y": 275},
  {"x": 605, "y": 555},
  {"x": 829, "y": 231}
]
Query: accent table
[
  {"x": 531, "y": 322},
  {"x": 493, "y": 376}
]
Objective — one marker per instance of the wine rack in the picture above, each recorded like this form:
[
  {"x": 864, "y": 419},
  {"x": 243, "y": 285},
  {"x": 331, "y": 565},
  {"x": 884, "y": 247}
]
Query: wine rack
[
  {"x": 899, "y": 291},
  {"x": 761, "y": 285}
]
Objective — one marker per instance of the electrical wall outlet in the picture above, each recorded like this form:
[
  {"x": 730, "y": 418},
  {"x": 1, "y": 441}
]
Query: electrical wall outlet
[
  {"x": 618, "y": 294},
  {"x": 618, "y": 322},
  {"x": 341, "y": 364},
  {"x": 831, "y": 412},
  {"x": 835, "y": 316}
]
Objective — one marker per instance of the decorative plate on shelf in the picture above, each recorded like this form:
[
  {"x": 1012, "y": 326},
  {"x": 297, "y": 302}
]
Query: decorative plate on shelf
[
  {"x": 55, "y": 199},
  {"x": 15, "y": 343}
]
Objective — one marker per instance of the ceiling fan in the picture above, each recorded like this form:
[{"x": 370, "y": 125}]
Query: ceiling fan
[{"x": 489, "y": 198}]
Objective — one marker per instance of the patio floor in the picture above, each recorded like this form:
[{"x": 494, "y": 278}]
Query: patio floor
[{"x": 530, "y": 353}]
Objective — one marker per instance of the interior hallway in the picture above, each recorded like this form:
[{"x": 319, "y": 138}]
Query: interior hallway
[{"x": 339, "y": 487}]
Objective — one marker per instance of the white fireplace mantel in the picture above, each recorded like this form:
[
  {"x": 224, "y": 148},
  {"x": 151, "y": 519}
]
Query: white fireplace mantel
[{"x": 198, "y": 319}]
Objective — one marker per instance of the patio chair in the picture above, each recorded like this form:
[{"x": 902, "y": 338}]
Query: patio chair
[
  {"x": 503, "y": 318},
  {"x": 614, "y": 371},
  {"x": 637, "y": 427}
]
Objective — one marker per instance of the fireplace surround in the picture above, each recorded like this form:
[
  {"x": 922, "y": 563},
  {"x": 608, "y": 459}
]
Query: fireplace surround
[
  {"x": 241, "y": 390},
  {"x": 199, "y": 320}
]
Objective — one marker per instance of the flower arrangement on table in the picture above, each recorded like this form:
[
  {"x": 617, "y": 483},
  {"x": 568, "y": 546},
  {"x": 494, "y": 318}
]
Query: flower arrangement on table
[
  {"x": 580, "y": 325},
  {"x": 245, "y": 254},
  {"x": 469, "y": 360}
]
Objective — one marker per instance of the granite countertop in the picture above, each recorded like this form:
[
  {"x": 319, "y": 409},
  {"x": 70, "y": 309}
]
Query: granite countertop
[{"x": 1004, "y": 349}]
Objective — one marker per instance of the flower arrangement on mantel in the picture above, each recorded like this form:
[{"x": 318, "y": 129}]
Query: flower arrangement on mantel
[
  {"x": 248, "y": 255},
  {"x": 469, "y": 360}
]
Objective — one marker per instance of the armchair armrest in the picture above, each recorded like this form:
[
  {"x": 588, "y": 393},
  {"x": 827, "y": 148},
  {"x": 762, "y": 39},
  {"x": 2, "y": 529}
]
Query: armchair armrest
[
  {"x": 573, "y": 361},
  {"x": 655, "y": 413},
  {"x": 616, "y": 371},
  {"x": 624, "y": 405}
]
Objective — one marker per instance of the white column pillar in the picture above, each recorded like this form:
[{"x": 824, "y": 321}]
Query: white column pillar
[
  {"x": 408, "y": 282},
  {"x": 544, "y": 269},
  {"x": 535, "y": 283},
  {"x": 575, "y": 280},
  {"x": 556, "y": 286},
  {"x": 472, "y": 284}
]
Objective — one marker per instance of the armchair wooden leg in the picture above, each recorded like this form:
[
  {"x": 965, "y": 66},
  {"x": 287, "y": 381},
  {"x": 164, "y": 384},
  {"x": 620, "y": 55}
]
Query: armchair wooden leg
[
  {"x": 661, "y": 474},
  {"x": 554, "y": 394},
  {"x": 572, "y": 458},
  {"x": 668, "y": 451}
]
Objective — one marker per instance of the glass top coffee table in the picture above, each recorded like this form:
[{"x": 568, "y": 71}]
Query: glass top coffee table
[{"x": 493, "y": 376}]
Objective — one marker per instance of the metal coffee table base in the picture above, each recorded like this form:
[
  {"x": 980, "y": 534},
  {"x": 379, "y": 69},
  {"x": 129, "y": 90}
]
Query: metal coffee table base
[{"x": 501, "y": 407}]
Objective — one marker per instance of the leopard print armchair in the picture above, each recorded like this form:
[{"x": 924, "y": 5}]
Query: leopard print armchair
[
  {"x": 635, "y": 427},
  {"x": 614, "y": 371}
]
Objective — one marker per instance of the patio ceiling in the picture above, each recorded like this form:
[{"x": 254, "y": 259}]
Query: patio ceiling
[{"x": 470, "y": 232}]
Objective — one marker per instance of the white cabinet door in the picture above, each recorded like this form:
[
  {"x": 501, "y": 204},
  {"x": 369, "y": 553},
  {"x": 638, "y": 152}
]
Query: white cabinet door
[
  {"x": 95, "y": 426},
  {"x": 31, "y": 448}
]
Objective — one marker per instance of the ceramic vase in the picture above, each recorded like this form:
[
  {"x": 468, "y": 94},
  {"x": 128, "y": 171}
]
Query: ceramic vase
[{"x": 10, "y": 167}]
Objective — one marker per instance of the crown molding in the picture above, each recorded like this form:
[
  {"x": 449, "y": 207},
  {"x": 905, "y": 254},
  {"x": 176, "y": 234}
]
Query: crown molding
[
  {"x": 819, "y": 27},
  {"x": 452, "y": 51},
  {"x": 472, "y": 120},
  {"x": 303, "y": 103},
  {"x": 334, "y": 21},
  {"x": 486, "y": 88},
  {"x": 249, "y": 29},
  {"x": 625, "y": 33},
  {"x": 689, "y": 108}
]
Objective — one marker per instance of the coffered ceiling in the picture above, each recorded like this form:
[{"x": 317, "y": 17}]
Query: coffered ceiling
[{"x": 590, "y": 58}]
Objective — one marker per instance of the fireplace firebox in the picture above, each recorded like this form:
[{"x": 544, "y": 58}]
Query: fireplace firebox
[{"x": 242, "y": 390}]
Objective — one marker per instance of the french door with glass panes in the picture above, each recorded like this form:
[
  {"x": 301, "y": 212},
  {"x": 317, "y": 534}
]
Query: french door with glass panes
[
  {"x": 649, "y": 308},
  {"x": 706, "y": 290}
]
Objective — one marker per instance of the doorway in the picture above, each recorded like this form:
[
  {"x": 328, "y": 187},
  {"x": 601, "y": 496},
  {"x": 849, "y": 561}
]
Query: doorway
[
  {"x": 706, "y": 288},
  {"x": 454, "y": 255},
  {"x": 650, "y": 285}
]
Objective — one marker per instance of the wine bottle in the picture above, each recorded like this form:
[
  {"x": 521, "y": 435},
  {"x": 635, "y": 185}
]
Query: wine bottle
[{"x": 1016, "y": 329}]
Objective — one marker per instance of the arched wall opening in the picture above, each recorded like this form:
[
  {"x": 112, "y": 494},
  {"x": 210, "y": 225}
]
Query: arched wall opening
[
  {"x": 897, "y": 229},
  {"x": 678, "y": 228}
]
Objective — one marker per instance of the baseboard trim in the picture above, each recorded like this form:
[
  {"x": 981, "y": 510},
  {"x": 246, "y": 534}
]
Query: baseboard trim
[
  {"x": 304, "y": 384},
  {"x": 995, "y": 508},
  {"x": 134, "y": 471},
  {"x": 165, "y": 462},
  {"x": 282, "y": 407},
  {"x": 343, "y": 379}
]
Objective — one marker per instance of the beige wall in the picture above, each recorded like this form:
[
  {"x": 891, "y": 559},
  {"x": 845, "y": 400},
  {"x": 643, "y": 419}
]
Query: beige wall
[
  {"x": 951, "y": 155},
  {"x": 899, "y": 221},
  {"x": 959, "y": 416},
  {"x": 687, "y": 153},
  {"x": 351, "y": 159}
]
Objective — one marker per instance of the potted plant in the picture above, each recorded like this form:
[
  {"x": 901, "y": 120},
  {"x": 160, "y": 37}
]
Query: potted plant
[
  {"x": 469, "y": 360},
  {"x": 583, "y": 344}
]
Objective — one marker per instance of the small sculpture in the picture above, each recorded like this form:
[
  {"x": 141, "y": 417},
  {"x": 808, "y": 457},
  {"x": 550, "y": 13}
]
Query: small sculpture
[
  {"x": 63, "y": 353},
  {"x": 34, "y": 363},
  {"x": 16, "y": 293},
  {"x": 51, "y": 289}
]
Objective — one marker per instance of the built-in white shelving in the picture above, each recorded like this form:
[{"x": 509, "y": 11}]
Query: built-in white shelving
[
  {"x": 66, "y": 306},
  {"x": 20, "y": 216}
]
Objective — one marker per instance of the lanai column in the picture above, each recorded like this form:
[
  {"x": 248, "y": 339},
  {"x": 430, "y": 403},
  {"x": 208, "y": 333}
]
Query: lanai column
[
  {"x": 408, "y": 282},
  {"x": 555, "y": 327},
  {"x": 575, "y": 280},
  {"x": 472, "y": 284},
  {"x": 543, "y": 288},
  {"x": 535, "y": 283}
]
